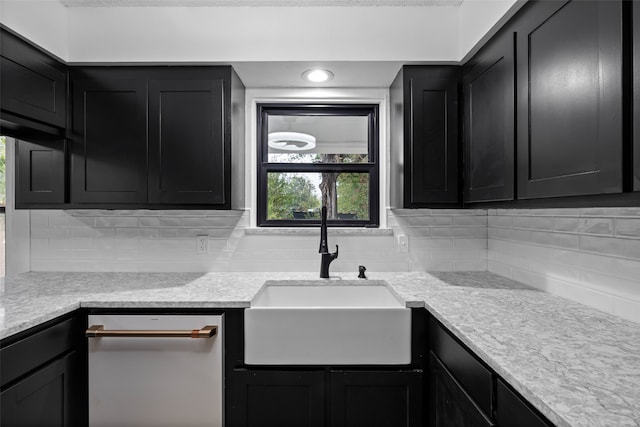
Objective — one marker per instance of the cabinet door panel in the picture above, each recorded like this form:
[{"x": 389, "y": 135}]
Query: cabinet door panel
[
  {"x": 109, "y": 147},
  {"x": 277, "y": 398},
  {"x": 511, "y": 409},
  {"x": 449, "y": 405},
  {"x": 187, "y": 142},
  {"x": 489, "y": 122},
  {"x": 376, "y": 399},
  {"x": 432, "y": 174},
  {"x": 463, "y": 365},
  {"x": 34, "y": 85},
  {"x": 44, "y": 398},
  {"x": 40, "y": 173},
  {"x": 570, "y": 99}
]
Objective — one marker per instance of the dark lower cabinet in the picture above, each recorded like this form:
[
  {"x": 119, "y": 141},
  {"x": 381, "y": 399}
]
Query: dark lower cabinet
[
  {"x": 489, "y": 127},
  {"x": 569, "y": 90},
  {"x": 335, "y": 398},
  {"x": 43, "y": 375},
  {"x": 449, "y": 404},
  {"x": 464, "y": 392},
  {"x": 376, "y": 399},
  {"x": 424, "y": 136},
  {"x": 512, "y": 410},
  {"x": 40, "y": 176},
  {"x": 277, "y": 398},
  {"x": 46, "y": 397}
]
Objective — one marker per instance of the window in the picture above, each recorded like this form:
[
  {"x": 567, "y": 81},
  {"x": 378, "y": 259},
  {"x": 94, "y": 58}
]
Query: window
[{"x": 311, "y": 156}]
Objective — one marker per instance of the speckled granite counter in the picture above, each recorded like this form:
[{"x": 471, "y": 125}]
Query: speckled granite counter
[{"x": 577, "y": 365}]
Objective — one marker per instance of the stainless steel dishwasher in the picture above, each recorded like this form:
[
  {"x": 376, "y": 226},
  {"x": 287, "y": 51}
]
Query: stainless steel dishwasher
[{"x": 162, "y": 370}]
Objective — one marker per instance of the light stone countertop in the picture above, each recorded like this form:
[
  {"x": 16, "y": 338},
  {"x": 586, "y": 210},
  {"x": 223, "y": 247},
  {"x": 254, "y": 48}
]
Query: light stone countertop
[{"x": 577, "y": 365}]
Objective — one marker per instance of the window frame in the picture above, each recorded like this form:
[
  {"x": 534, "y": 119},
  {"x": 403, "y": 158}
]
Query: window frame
[{"x": 372, "y": 167}]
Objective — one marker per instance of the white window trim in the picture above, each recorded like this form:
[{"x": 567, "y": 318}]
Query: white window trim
[{"x": 255, "y": 96}]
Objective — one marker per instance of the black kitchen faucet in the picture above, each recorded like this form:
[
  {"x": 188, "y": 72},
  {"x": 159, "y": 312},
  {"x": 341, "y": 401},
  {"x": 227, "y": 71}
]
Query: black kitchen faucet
[{"x": 327, "y": 257}]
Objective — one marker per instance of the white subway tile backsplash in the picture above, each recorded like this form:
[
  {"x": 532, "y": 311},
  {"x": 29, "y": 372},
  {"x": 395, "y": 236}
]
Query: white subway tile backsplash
[
  {"x": 591, "y": 255},
  {"x": 628, "y": 248},
  {"x": 628, "y": 227},
  {"x": 533, "y": 222},
  {"x": 629, "y": 309},
  {"x": 115, "y": 221},
  {"x": 588, "y": 255}
]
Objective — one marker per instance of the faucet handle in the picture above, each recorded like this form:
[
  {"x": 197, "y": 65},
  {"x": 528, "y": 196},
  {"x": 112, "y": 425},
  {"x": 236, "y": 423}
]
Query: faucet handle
[{"x": 335, "y": 254}]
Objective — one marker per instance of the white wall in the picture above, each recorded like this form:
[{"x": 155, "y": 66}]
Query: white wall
[
  {"x": 587, "y": 255},
  {"x": 228, "y": 34},
  {"x": 263, "y": 34},
  {"x": 476, "y": 18},
  {"x": 44, "y": 22}
]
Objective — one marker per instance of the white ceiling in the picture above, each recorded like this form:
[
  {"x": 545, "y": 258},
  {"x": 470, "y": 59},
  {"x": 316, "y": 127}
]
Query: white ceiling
[
  {"x": 256, "y": 3},
  {"x": 356, "y": 74},
  {"x": 270, "y": 47}
]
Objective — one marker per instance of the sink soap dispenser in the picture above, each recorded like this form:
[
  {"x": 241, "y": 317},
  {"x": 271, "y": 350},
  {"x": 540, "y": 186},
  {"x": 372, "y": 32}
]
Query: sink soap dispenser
[{"x": 362, "y": 269}]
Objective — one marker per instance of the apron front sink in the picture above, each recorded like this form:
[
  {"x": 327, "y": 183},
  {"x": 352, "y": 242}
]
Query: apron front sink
[{"x": 318, "y": 322}]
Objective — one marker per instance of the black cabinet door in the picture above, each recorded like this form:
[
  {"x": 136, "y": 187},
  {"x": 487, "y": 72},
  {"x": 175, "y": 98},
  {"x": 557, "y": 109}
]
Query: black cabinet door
[
  {"x": 376, "y": 399},
  {"x": 449, "y": 405},
  {"x": 512, "y": 410},
  {"x": 276, "y": 398},
  {"x": 34, "y": 84},
  {"x": 48, "y": 397},
  {"x": 431, "y": 136},
  {"x": 424, "y": 137},
  {"x": 40, "y": 173},
  {"x": 186, "y": 142},
  {"x": 636, "y": 95},
  {"x": 569, "y": 82},
  {"x": 109, "y": 140},
  {"x": 489, "y": 137}
]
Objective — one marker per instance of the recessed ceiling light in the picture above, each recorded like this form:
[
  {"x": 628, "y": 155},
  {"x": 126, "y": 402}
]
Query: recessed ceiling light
[{"x": 317, "y": 75}]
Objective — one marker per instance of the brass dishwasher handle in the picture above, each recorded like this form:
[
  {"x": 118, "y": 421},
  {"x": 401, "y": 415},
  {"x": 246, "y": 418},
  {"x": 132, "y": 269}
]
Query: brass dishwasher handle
[{"x": 97, "y": 331}]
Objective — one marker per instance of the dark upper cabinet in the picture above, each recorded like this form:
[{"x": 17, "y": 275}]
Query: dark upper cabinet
[
  {"x": 109, "y": 136},
  {"x": 424, "y": 137},
  {"x": 187, "y": 142},
  {"x": 489, "y": 127},
  {"x": 40, "y": 176},
  {"x": 34, "y": 84},
  {"x": 376, "y": 398},
  {"x": 636, "y": 94},
  {"x": 276, "y": 398},
  {"x": 569, "y": 83},
  {"x": 156, "y": 136}
]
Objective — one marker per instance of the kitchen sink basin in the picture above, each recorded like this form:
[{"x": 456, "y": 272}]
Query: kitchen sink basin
[{"x": 327, "y": 322}]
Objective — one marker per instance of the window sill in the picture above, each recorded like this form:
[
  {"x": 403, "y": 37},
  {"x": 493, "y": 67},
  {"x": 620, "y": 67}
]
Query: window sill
[{"x": 313, "y": 231}]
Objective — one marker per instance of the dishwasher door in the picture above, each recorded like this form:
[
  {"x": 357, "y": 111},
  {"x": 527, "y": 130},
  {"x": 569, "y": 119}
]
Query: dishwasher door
[{"x": 155, "y": 381}]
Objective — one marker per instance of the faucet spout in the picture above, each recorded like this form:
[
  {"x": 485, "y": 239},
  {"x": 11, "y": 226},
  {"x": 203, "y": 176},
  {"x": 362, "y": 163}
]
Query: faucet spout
[{"x": 326, "y": 256}]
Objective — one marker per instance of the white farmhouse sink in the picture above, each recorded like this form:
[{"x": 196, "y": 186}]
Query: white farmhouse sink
[{"x": 319, "y": 322}]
